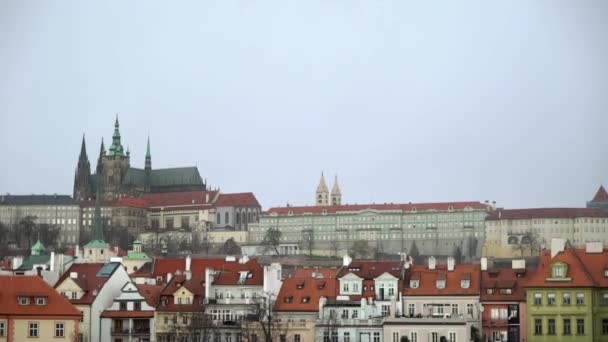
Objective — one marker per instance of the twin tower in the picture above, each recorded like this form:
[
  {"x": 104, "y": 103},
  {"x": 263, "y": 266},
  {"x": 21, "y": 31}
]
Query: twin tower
[{"x": 323, "y": 195}]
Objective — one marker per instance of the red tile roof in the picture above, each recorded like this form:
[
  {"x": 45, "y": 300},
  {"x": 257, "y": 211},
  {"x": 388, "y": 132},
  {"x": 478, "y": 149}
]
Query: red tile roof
[
  {"x": 314, "y": 272},
  {"x": 372, "y": 269},
  {"x": 174, "y": 199},
  {"x": 584, "y": 269},
  {"x": 131, "y": 202},
  {"x": 86, "y": 279},
  {"x": 150, "y": 292},
  {"x": 195, "y": 285},
  {"x": 290, "y": 296},
  {"x": 504, "y": 278},
  {"x": 601, "y": 195},
  {"x": 537, "y": 213},
  {"x": 230, "y": 274},
  {"x": 427, "y": 280},
  {"x": 387, "y": 206},
  {"x": 32, "y": 286},
  {"x": 162, "y": 266},
  {"x": 243, "y": 199}
]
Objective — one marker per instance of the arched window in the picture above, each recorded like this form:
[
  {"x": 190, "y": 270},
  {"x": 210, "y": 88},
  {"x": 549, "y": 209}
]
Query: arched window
[
  {"x": 226, "y": 218},
  {"x": 238, "y": 218},
  {"x": 249, "y": 216},
  {"x": 219, "y": 218}
]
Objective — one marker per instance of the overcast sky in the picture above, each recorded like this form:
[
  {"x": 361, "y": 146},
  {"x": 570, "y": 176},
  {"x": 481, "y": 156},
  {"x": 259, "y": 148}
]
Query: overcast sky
[{"x": 444, "y": 101}]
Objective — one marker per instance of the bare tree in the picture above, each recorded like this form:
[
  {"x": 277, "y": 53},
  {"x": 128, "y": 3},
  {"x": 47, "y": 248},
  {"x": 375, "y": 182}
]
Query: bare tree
[
  {"x": 334, "y": 245},
  {"x": 262, "y": 323},
  {"x": 308, "y": 241},
  {"x": 231, "y": 247},
  {"x": 272, "y": 239},
  {"x": 361, "y": 249},
  {"x": 414, "y": 252},
  {"x": 194, "y": 326},
  {"x": 329, "y": 324},
  {"x": 530, "y": 241}
]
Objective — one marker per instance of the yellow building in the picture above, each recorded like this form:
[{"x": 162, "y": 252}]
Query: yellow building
[{"x": 30, "y": 308}]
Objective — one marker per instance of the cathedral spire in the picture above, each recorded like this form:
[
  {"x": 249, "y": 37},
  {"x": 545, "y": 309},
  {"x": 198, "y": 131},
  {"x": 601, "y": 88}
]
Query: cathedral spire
[
  {"x": 148, "y": 156},
  {"x": 102, "y": 152},
  {"x": 83, "y": 150},
  {"x": 336, "y": 194},
  {"x": 116, "y": 148},
  {"x": 83, "y": 172},
  {"x": 322, "y": 194}
]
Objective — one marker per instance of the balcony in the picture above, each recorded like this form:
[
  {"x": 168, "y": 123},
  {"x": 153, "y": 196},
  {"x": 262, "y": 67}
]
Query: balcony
[
  {"x": 354, "y": 321},
  {"x": 138, "y": 327}
]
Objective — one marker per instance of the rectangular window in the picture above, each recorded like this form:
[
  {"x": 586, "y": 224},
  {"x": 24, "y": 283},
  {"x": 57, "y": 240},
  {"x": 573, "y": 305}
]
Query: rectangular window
[
  {"x": 605, "y": 299},
  {"x": 169, "y": 223},
  {"x": 551, "y": 299},
  {"x": 470, "y": 309},
  {"x": 580, "y": 299},
  {"x": 567, "y": 327},
  {"x": 2, "y": 328},
  {"x": 413, "y": 336},
  {"x": 386, "y": 310},
  {"x": 137, "y": 306},
  {"x": 123, "y": 306},
  {"x": 452, "y": 337},
  {"x": 434, "y": 337},
  {"x": 538, "y": 326},
  {"x": 355, "y": 313},
  {"x": 566, "y": 299},
  {"x": 604, "y": 326},
  {"x": 59, "y": 330},
  {"x": 296, "y": 338},
  {"x": 186, "y": 222},
  {"x": 538, "y": 299},
  {"x": 40, "y": 301},
  {"x": 551, "y": 326},
  {"x": 395, "y": 336},
  {"x": 33, "y": 329},
  {"x": 580, "y": 327},
  {"x": 74, "y": 295},
  {"x": 411, "y": 308},
  {"x": 454, "y": 309},
  {"x": 376, "y": 337}
]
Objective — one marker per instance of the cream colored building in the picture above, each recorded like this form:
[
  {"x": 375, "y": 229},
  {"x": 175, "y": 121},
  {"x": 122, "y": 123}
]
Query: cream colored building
[
  {"x": 220, "y": 236},
  {"x": 508, "y": 229}
]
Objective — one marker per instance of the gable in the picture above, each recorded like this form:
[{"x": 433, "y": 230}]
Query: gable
[
  {"x": 351, "y": 276},
  {"x": 68, "y": 285},
  {"x": 129, "y": 287},
  {"x": 182, "y": 291},
  {"x": 386, "y": 276}
]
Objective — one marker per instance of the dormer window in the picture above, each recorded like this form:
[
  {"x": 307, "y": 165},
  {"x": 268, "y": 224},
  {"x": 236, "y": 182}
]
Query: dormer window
[
  {"x": 506, "y": 291},
  {"x": 440, "y": 283},
  {"x": 558, "y": 271},
  {"x": 465, "y": 283},
  {"x": 288, "y": 299},
  {"x": 414, "y": 284},
  {"x": 305, "y": 299},
  {"x": 321, "y": 286},
  {"x": 300, "y": 286},
  {"x": 489, "y": 291},
  {"x": 24, "y": 300},
  {"x": 40, "y": 301},
  {"x": 606, "y": 273}
]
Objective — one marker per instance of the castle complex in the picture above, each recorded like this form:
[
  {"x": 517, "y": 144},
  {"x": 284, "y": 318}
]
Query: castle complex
[{"x": 115, "y": 177}]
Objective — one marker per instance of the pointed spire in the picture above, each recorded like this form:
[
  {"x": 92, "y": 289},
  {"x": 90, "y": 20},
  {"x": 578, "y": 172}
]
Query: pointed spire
[
  {"x": 148, "y": 166},
  {"x": 116, "y": 148},
  {"x": 322, "y": 187},
  {"x": 83, "y": 149},
  {"x": 336, "y": 188},
  {"x": 601, "y": 195}
]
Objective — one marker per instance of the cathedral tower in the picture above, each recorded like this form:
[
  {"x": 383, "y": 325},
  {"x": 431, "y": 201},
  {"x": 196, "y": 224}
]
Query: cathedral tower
[
  {"x": 336, "y": 194},
  {"x": 82, "y": 179},
  {"x": 115, "y": 165},
  {"x": 322, "y": 195}
]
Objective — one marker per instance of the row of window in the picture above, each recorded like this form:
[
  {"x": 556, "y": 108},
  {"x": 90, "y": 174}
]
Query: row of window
[
  {"x": 34, "y": 329},
  {"x": 566, "y": 326},
  {"x": 26, "y": 300},
  {"x": 566, "y": 299}
]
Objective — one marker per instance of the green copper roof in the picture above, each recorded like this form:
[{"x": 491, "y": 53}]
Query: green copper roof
[
  {"x": 137, "y": 256},
  {"x": 34, "y": 260},
  {"x": 116, "y": 149},
  {"x": 38, "y": 247},
  {"x": 97, "y": 244}
]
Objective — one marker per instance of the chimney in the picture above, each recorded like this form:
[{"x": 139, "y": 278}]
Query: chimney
[
  {"x": 322, "y": 302},
  {"x": 594, "y": 247},
  {"x": 52, "y": 261},
  {"x": 493, "y": 205},
  {"x": 188, "y": 275},
  {"x": 432, "y": 263},
  {"x": 39, "y": 271},
  {"x": 451, "y": 263},
  {"x": 484, "y": 264},
  {"x": 557, "y": 246},
  {"x": 188, "y": 263},
  {"x": 169, "y": 277},
  {"x": 244, "y": 259},
  {"x": 207, "y": 198},
  {"x": 208, "y": 281},
  {"x": 346, "y": 260},
  {"x": 393, "y": 306}
]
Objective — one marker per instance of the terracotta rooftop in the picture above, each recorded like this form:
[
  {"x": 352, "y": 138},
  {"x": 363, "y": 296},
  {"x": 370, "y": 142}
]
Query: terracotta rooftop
[
  {"x": 316, "y": 272},
  {"x": 428, "y": 280},
  {"x": 32, "y": 286},
  {"x": 303, "y": 294},
  {"x": 584, "y": 269},
  {"x": 230, "y": 274},
  {"x": 537, "y": 213},
  {"x": 500, "y": 280},
  {"x": 196, "y": 285},
  {"x": 243, "y": 199},
  {"x": 445, "y": 206},
  {"x": 162, "y": 266},
  {"x": 87, "y": 279},
  {"x": 174, "y": 199},
  {"x": 150, "y": 292},
  {"x": 601, "y": 195}
]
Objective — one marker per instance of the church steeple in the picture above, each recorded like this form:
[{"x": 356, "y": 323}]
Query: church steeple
[
  {"x": 322, "y": 194},
  {"x": 116, "y": 148},
  {"x": 98, "y": 239},
  {"x": 336, "y": 194},
  {"x": 102, "y": 153},
  {"x": 83, "y": 172},
  {"x": 148, "y": 157}
]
